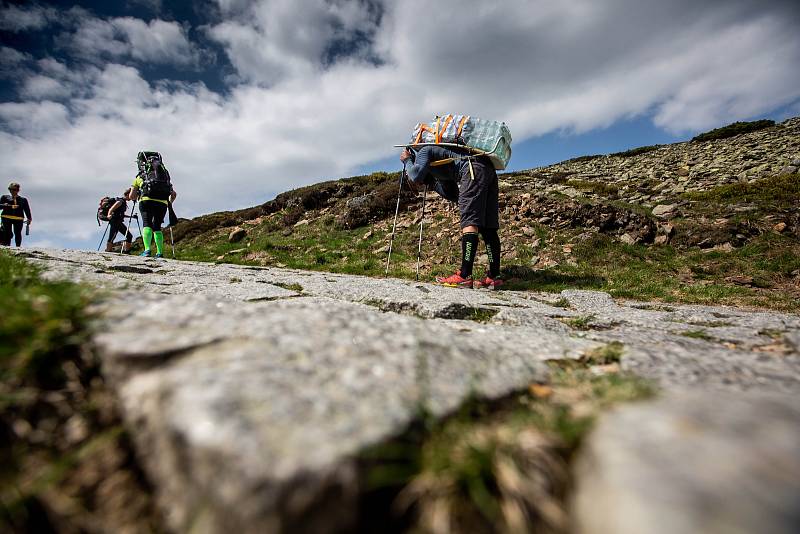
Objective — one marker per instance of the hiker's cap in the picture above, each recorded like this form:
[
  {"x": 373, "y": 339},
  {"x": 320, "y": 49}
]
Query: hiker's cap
[{"x": 13, "y": 185}]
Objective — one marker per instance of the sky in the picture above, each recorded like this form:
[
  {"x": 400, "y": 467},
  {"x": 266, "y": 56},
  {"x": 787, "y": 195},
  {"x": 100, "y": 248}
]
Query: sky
[{"x": 249, "y": 98}]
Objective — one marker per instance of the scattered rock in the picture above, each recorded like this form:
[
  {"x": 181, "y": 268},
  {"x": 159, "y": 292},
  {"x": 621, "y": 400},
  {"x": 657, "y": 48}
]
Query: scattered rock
[
  {"x": 662, "y": 210},
  {"x": 628, "y": 239},
  {"x": 661, "y": 240},
  {"x": 779, "y": 228},
  {"x": 666, "y": 229},
  {"x": 303, "y": 222},
  {"x": 725, "y": 247},
  {"x": 237, "y": 234},
  {"x": 789, "y": 169},
  {"x": 528, "y": 231}
]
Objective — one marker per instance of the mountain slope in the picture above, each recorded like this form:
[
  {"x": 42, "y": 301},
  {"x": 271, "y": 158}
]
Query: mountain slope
[{"x": 712, "y": 221}]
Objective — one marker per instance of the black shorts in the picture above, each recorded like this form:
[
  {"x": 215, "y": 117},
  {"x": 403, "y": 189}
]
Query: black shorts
[
  {"x": 478, "y": 200},
  {"x": 153, "y": 213}
]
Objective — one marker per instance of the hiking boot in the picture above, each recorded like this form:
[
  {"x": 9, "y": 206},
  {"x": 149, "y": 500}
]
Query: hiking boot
[
  {"x": 455, "y": 280},
  {"x": 489, "y": 283},
  {"x": 109, "y": 246},
  {"x": 159, "y": 255},
  {"x": 145, "y": 254},
  {"x": 126, "y": 247}
]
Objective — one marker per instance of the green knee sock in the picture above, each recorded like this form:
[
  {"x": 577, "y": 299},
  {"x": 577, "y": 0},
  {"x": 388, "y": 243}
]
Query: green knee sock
[
  {"x": 159, "y": 242},
  {"x": 147, "y": 237}
]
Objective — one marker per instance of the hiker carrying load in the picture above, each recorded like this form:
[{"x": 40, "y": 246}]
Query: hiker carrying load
[
  {"x": 153, "y": 189},
  {"x": 457, "y": 157},
  {"x": 113, "y": 210},
  {"x": 13, "y": 208}
]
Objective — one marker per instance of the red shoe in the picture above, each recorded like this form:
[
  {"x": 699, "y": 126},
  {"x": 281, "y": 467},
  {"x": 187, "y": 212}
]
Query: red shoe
[
  {"x": 489, "y": 283},
  {"x": 455, "y": 280}
]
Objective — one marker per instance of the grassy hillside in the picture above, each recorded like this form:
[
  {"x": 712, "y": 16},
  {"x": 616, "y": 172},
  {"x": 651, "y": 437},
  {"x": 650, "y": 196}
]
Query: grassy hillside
[{"x": 732, "y": 244}]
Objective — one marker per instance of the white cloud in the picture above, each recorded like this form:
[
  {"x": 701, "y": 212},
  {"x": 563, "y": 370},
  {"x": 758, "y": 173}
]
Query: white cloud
[
  {"x": 275, "y": 40},
  {"x": 126, "y": 37},
  {"x": 10, "y": 57},
  {"x": 293, "y": 119},
  {"x": 18, "y": 19}
]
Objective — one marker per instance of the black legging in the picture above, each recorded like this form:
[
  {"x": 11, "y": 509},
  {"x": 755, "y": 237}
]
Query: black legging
[
  {"x": 118, "y": 226},
  {"x": 492, "y": 241},
  {"x": 6, "y": 227},
  {"x": 153, "y": 213}
]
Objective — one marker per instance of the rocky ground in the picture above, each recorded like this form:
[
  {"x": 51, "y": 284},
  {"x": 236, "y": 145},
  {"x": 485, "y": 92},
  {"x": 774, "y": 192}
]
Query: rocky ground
[{"x": 253, "y": 395}]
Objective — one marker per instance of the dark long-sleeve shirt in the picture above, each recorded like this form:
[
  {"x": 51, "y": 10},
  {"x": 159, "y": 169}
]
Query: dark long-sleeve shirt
[
  {"x": 443, "y": 178},
  {"x": 7, "y": 204}
]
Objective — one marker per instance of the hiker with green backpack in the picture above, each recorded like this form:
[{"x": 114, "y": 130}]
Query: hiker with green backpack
[{"x": 152, "y": 187}]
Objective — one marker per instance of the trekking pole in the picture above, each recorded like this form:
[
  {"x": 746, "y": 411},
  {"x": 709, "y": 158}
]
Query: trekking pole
[
  {"x": 396, "y": 211},
  {"x": 104, "y": 236},
  {"x": 421, "y": 223},
  {"x": 172, "y": 242}
]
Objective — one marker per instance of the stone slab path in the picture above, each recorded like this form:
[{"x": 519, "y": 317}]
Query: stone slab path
[{"x": 249, "y": 390}]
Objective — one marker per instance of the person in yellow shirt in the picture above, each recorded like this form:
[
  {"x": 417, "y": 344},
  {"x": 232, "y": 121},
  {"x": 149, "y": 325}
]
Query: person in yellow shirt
[{"x": 153, "y": 188}]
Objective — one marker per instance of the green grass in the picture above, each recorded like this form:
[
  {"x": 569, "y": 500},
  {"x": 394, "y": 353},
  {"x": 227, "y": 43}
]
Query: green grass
[
  {"x": 735, "y": 128},
  {"x": 579, "y": 323},
  {"x": 600, "y": 262},
  {"x": 481, "y": 315},
  {"x": 770, "y": 193},
  {"x": 598, "y": 187},
  {"x": 697, "y": 334},
  {"x": 636, "y": 151},
  {"x": 290, "y": 287},
  {"x": 652, "y": 273},
  {"x": 562, "y": 302},
  {"x": 42, "y": 322}
]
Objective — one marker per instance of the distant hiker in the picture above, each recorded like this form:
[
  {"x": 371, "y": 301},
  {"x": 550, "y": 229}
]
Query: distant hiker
[
  {"x": 113, "y": 210},
  {"x": 476, "y": 191},
  {"x": 13, "y": 207},
  {"x": 153, "y": 188}
]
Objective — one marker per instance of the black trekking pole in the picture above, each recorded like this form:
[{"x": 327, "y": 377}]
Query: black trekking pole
[
  {"x": 104, "y": 236},
  {"x": 128, "y": 230},
  {"x": 421, "y": 223},
  {"x": 173, "y": 220},
  {"x": 396, "y": 211},
  {"x": 133, "y": 214}
]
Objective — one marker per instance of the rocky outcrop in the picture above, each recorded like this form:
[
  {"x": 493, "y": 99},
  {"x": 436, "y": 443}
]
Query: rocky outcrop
[
  {"x": 658, "y": 175},
  {"x": 249, "y": 392}
]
